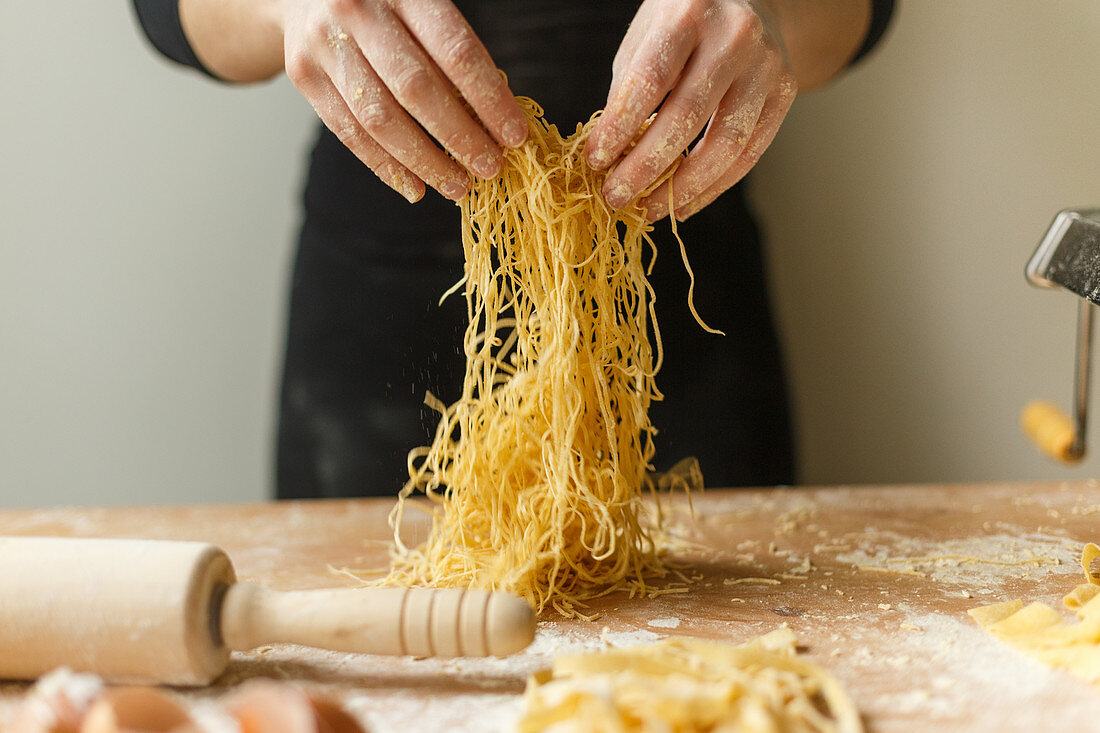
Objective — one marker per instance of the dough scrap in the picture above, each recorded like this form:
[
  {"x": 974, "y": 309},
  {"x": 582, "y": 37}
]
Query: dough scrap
[
  {"x": 685, "y": 684},
  {"x": 1042, "y": 632}
]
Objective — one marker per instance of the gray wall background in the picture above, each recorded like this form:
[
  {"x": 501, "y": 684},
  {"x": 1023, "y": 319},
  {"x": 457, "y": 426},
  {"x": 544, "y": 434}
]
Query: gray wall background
[{"x": 148, "y": 215}]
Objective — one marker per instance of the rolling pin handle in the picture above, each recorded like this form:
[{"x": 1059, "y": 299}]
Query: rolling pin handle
[{"x": 439, "y": 622}]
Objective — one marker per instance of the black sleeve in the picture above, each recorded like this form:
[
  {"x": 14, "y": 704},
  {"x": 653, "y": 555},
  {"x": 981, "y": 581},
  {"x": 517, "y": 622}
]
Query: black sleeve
[
  {"x": 160, "y": 19},
  {"x": 881, "y": 12}
]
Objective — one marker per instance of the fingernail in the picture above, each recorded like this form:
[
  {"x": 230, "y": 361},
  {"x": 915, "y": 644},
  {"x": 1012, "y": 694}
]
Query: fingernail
[
  {"x": 652, "y": 210},
  {"x": 408, "y": 190},
  {"x": 686, "y": 212},
  {"x": 405, "y": 185},
  {"x": 515, "y": 133},
  {"x": 487, "y": 165},
  {"x": 453, "y": 190},
  {"x": 618, "y": 196},
  {"x": 599, "y": 159}
]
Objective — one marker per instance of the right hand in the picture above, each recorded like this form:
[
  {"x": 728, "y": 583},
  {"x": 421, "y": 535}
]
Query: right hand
[{"x": 374, "y": 69}]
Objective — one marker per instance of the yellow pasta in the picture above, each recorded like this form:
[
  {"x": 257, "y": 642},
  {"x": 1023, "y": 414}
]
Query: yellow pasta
[
  {"x": 685, "y": 685},
  {"x": 1040, "y": 631},
  {"x": 537, "y": 471}
]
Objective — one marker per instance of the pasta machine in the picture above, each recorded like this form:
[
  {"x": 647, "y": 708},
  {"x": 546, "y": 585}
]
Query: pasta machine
[{"x": 1068, "y": 258}]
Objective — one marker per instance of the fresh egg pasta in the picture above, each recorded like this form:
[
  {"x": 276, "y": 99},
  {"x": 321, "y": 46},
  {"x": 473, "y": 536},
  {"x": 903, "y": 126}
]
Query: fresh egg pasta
[{"x": 537, "y": 471}]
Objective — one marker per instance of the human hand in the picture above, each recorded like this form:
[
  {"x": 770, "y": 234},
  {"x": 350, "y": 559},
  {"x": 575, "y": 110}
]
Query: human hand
[
  {"x": 722, "y": 64},
  {"x": 374, "y": 69}
]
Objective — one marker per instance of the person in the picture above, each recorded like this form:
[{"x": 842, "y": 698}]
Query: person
[{"x": 411, "y": 99}]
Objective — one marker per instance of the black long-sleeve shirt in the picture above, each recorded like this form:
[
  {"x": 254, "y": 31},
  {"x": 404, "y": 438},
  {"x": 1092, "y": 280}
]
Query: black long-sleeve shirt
[{"x": 366, "y": 337}]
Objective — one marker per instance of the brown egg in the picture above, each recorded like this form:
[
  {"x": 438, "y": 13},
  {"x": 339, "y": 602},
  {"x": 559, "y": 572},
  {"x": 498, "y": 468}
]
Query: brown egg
[
  {"x": 137, "y": 710},
  {"x": 331, "y": 717},
  {"x": 266, "y": 706}
]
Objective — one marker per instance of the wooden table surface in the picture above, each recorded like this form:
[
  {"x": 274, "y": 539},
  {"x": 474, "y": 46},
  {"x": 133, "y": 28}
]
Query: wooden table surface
[{"x": 875, "y": 581}]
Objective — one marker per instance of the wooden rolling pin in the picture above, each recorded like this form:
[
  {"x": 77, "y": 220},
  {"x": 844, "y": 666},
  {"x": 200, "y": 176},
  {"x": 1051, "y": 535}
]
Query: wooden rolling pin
[{"x": 148, "y": 611}]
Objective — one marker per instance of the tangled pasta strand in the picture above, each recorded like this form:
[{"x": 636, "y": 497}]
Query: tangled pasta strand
[{"x": 538, "y": 470}]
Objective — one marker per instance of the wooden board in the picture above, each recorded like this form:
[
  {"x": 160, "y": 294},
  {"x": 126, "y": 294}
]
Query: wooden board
[{"x": 851, "y": 570}]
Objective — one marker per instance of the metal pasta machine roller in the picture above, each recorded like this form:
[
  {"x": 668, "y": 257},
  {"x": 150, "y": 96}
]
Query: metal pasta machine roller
[{"x": 1068, "y": 258}]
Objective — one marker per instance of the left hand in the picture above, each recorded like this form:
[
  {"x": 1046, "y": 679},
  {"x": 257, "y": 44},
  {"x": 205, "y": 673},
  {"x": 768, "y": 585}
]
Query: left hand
[{"x": 722, "y": 64}]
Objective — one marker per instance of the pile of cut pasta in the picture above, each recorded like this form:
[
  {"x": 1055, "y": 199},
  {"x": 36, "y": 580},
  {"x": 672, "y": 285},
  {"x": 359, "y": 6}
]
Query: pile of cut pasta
[
  {"x": 1041, "y": 632},
  {"x": 538, "y": 470},
  {"x": 682, "y": 685}
]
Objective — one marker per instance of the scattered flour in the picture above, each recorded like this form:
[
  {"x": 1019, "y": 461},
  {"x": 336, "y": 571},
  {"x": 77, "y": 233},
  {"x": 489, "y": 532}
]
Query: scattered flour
[
  {"x": 665, "y": 623},
  {"x": 987, "y": 560},
  {"x": 409, "y": 713},
  {"x": 628, "y": 638},
  {"x": 981, "y": 670},
  {"x": 482, "y": 707}
]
